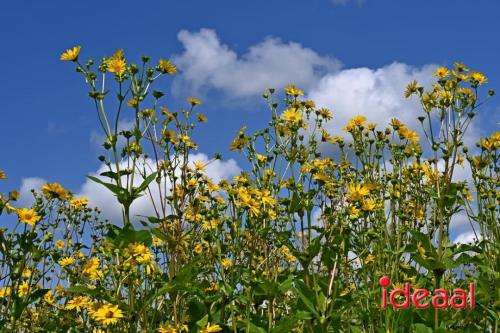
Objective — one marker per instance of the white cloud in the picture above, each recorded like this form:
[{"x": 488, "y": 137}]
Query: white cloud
[
  {"x": 101, "y": 197},
  {"x": 374, "y": 93},
  {"x": 468, "y": 237},
  {"x": 26, "y": 198},
  {"x": 208, "y": 63}
]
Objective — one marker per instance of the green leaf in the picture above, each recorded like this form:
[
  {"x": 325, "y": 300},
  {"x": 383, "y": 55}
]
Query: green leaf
[
  {"x": 124, "y": 236},
  {"x": 306, "y": 295},
  {"x": 145, "y": 183}
]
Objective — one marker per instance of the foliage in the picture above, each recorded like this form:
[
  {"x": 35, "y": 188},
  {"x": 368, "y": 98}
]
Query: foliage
[{"x": 296, "y": 243}]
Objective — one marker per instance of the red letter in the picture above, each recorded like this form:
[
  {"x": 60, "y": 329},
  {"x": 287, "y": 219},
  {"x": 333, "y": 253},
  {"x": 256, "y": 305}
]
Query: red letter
[
  {"x": 384, "y": 282},
  {"x": 440, "y": 294},
  {"x": 416, "y": 298},
  {"x": 405, "y": 292},
  {"x": 459, "y": 294},
  {"x": 472, "y": 299}
]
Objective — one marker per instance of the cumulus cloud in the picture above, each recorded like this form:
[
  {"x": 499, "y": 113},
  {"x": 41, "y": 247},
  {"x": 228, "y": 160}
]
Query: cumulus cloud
[
  {"x": 26, "y": 198},
  {"x": 208, "y": 63},
  {"x": 101, "y": 197},
  {"x": 374, "y": 93}
]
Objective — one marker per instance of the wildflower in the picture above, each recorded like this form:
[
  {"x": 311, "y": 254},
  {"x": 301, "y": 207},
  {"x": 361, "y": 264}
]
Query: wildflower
[
  {"x": 357, "y": 192},
  {"x": 5, "y": 292},
  {"x": 116, "y": 63},
  {"x": 411, "y": 88},
  {"x": 325, "y": 113},
  {"x": 91, "y": 268},
  {"x": 460, "y": 67},
  {"x": 478, "y": 77},
  {"x": 198, "y": 249},
  {"x": 353, "y": 212},
  {"x": 347, "y": 290},
  {"x": 66, "y": 261},
  {"x": 3, "y": 175},
  {"x": 199, "y": 166},
  {"x": 26, "y": 273},
  {"x": 49, "y": 297},
  {"x": 408, "y": 134},
  {"x": 78, "y": 202},
  {"x": 226, "y": 262},
  {"x": 369, "y": 205},
  {"x": 71, "y": 54},
  {"x": 421, "y": 250},
  {"x": 28, "y": 216},
  {"x": 201, "y": 117},
  {"x": 167, "y": 329},
  {"x": 369, "y": 259},
  {"x": 441, "y": 72},
  {"x": 210, "y": 224},
  {"x": 23, "y": 289},
  {"x": 54, "y": 191},
  {"x": 211, "y": 328},
  {"x": 60, "y": 244},
  {"x": 292, "y": 116},
  {"x": 157, "y": 241},
  {"x": 292, "y": 90},
  {"x": 78, "y": 303},
  {"x": 193, "y": 101},
  {"x": 166, "y": 67},
  {"x": 107, "y": 314},
  {"x": 355, "y": 122}
]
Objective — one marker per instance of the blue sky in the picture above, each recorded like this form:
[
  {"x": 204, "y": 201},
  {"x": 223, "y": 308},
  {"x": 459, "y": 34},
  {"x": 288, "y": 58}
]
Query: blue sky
[{"x": 47, "y": 120}]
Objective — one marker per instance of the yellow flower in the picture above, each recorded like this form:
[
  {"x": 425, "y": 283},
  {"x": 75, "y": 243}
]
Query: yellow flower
[
  {"x": 54, "y": 191},
  {"x": 211, "y": 328},
  {"x": 347, "y": 290},
  {"x": 357, "y": 192},
  {"x": 166, "y": 67},
  {"x": 226, "y": 262},
  {"x": 26, "y": 273},
  {"x": 66, "y": 261},
  {"x": 369, "y": 259},
  {"x": 193, "y": 101},
  {"x": 210, "y": 224},
  {"x": 292, "y": 116},
  {"x": 201, "y": 118},
  {"x": 71, "y": 54},
  {"x": 28, "y": 216},
  {"x": 78, "y": 303},
  {"x": 49, "y": 297},
  {"x": 157, "y": 241},
  {"x": 441, "y": 72},
  {"x": 5, "y": 292},
  {"x": 78, "y": 202},
  {"x": 198, "y": 249},
  {"x": 478, "y": 77},
  {"x": 369, "y": 205},
  {"x": 408, "y": 134},
  {"x": 355, "y": 122},
  {"x": 167, "y": 329},
  {"x": 60, "y": 244},
  {"x": 353, "y": 212},
  {"x": 3, "y": 175},
  {"x": 411, "y": 88},
  {"x": 116, "y": 66},
  {"x": 199, "y": 166},
  {"x": 107, "y": 314},
  {"x": 292, "y": 90},
  {"x": 91, "y": 268},
  {"x": 23, "y": 289},
  {"x": 421, "y": 250}
]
